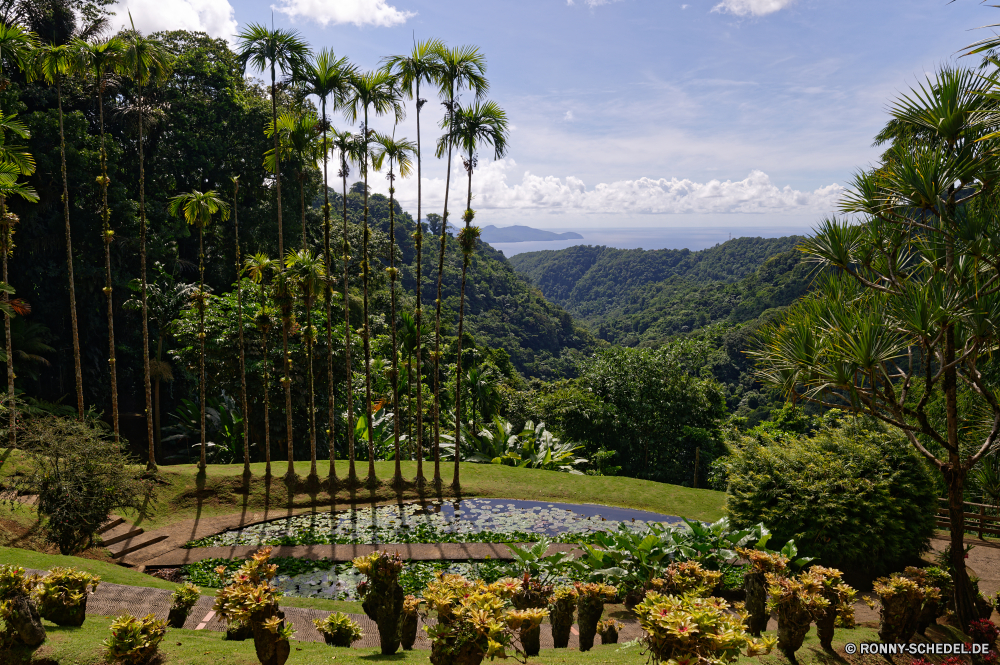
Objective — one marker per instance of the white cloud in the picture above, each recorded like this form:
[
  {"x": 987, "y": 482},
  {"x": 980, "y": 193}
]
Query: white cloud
[
  {"x": 359, "y": 12},
  {"x": 685, "y": 6},
  {"x": 568, "y": 117},
  {"x": 216, "y": 17},
  {"x": 592, "y": 3},
  {"x": 754, "y": 194},
  {"x": 751, "y": 7}
]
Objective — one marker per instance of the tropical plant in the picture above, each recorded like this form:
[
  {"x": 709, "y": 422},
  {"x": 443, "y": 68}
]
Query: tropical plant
[
  {"x": 182, "y": 600},
  {"x": 901, "y": 599},
  {"x": 531, "y": 594},
  {"x": 103, "y": 59},
  {"x": 798, "y": 601},
  {"x": 840, "y": 603},
  {"x": 298, "y": 138},
  {"x": 327, "y": 76},
  {"x": 339, "y": 630},
  {"x": 20, "y": 622},
  {"x": 755, "y": 585},
  {"x": 422, "y": 65},
  {"x": 461, "y": 67},
  {"x": 309, "y": 275},
  {"x": 409, "y": 622},
  {"x": 381, "y": 432},
  {"x": 399, "y": 152},
  {"x": 589, "y": 608},
  {"x": 197, "y": 209},
  {"x": 562, "y": 605},
  {"x": 148, "y": 64},
  {"x": 239, "y": 316},
  {"x": 134, "y": 641},
  {"x": 61, "y": 595},
  {"x": 271, "y": 49},
  {"x": 608, "y": 630},
  {"x": 536, "y": 564},
  {"x": 260, "y": 267},
  {"x": 379, "y": 92},
  {"x": 682, "y": 578},
  {"x": 381, "y": 595},
  {"x": 224, "y": 425}
]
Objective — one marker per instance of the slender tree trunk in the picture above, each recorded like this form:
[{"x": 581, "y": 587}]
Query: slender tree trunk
[
  {"x": 466, "y": 259},
  {"x": 409, "y": 406},
  {"x": 239, "y": 315},
  {"x": 398, "y": 479},
  {"x": 302, "y": 207},
  {"x": 157, "y": 434},
  {"x": 328, "y": 291},
  {"x": 5, "y": 248},
  {"x": 352, "y": 474},
  {"x": 69, "y": 257},
  {"x": 201, "y": 342},
  {"x": 419, "y": 316},
  {"x": 147, "y": 387},
  {"x": 365, "y": 271},
  {"x": 108, "y": 237},
  {"x": 286, "y": 359},
  {"x": 437, "y": 316},
  {"x": 312, "y": 389},
  {"x": 267, "y": 389}
]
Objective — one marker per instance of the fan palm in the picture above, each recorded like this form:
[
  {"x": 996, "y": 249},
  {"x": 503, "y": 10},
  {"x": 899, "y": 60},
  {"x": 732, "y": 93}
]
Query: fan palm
[
  {"x": 9, "y": 186},
  {"x": 347, "y": 146},
  {"x": 269, "y": 50},
  {"x": 400, "y": 154},
  {"x": 461, "y": 67},
  {"x": 309, "y": 275},
  {"x": 147, "y": 63},
  {"x": 378, "y": 92},
  {"x": 422, "y": 65},
  {"x": 327, "y": 76},
  {"x": 103, "y": 59},
  {"x": 471, "y": 126},
  {"x": 260, "y": 268},
  {"x": 197, "y": 209},
  {"x": 239, "y": 315}
]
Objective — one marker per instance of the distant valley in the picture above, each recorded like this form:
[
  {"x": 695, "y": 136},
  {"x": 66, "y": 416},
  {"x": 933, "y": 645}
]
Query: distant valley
[{"x": 497, "y": 234}]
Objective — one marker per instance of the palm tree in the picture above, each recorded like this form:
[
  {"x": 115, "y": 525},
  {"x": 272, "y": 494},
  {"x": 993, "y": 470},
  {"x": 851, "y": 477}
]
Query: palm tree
[
  {"x": 103, "y": 59},
  {"x": 271, "y": 49},
  {"x": 471, "y": 126},
  {"x": 9, "y": 186},
  {"x": 198, "y": 208},
  {"x": 147, "y": 63},
  {"x": 423, "y": 65},
  {"x": 346, "y": 145},
  {"x": 16, "y": 44},
  {"x": 52, "y": 62},
  {"x": 239, "y": 314},
  {"x": 309, "y": 275},
  {"x": 327, "y": 76},
  {"x": 461, "y": 67},
  {"x": 298, "y": 135},
  {"x": 377, "y": 91},
  {"x": 259, "y": 266},
  {"x": 399, "y": 153}
]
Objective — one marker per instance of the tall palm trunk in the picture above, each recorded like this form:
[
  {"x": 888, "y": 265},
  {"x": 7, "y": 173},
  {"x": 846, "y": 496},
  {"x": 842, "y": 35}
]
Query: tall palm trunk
[
  {"x": 302, "y": 205},
  {"x": 312, "y": 388},
  {"x": 352, "y": 474},
  {"x": 366, "y": 332},
  {"x": 328, "y": 291},
  {"x": 78, "y": 371},
  {"x": 398, "y": 478},
  {"x": 239, "y": 314},
  {"x": 108, "y": 237},
  {"x": 468, "y": 245},
  {"x": 151, "y": 463},
  {"x": 156, "y": 399},
  {"x": 286, "y": 359},
  {"x": 419, "y": 313},
  {"x": 437, "y": 315},
  {"x": 267, "y": 386},
  {"x": 201, "y": 341},
  {"x": 409, "y": 406},
  {"x": 6, "y": 246}
]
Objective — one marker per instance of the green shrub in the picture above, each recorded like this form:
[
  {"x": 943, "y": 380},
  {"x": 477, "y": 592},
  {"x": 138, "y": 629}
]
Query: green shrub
[
  {"x": 857, "y": 497},
  {"x": 338, "y": 629},
  {"x": 19, "y": 619},
  {"x": 182, "y": 600},
  {"x": 134, "y": 641},
  {"x": 61, "y": 595}
]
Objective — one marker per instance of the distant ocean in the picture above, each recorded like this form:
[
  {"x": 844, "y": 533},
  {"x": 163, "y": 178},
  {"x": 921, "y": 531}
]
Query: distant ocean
[{"x": 651, "y": 237}]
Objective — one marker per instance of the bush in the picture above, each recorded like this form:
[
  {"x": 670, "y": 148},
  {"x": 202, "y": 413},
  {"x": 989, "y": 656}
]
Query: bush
[
  {"x": 695, "y": 630},
  {"x": 901, "y": 601},
  {"x": 80, "y": 476},
  {"x": 62, "y": 595},
  {"x": 339, "y": 630},
  {"x": 182, "y": 600},
  {"x": 857, "y": 497},
  {"x": 686, "y": 578},
  {"x": 381, "y": 595},
  {"x": 798, "y": 602},
  {"x": 134, "y": 641},
  {"x": 19, "y": 619}
]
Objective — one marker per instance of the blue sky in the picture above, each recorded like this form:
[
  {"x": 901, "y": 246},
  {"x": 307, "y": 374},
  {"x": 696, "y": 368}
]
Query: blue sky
[{"x": 736, "y": 113}]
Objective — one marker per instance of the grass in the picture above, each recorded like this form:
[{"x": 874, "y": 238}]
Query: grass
[{"x": 184, "y": 494}]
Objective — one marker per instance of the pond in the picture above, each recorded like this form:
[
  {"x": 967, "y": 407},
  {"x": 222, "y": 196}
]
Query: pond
[{"x": 465, "y": 520}]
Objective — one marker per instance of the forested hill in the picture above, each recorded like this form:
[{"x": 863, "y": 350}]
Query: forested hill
[{"x": 634, "y": 297}]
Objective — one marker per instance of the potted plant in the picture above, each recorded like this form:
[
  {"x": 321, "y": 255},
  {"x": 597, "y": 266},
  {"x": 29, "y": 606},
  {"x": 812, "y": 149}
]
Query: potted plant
[
  {"x": 62, "y": 594},
  {"x": 608, "y": 630},
  {"x": 381, "y": 595},
  {"x": 134, "y": 641},
  {"x": 686, "y": 577},
  {"x": 182, "y": 600},
  {"x": 562, "y": 606},
  {"x": 338, "y": 630},
  {"x": 411, "y": 619},
  {"x": 901, "y": 601},
  {"x": 531, "y": 594},
  {"x": 590, "y": 606},
  {"x": 755, "y": 584},
  {"x": 798, "y": 602},
  {"x": 931, "y": 610},
  {"x": 19, "y": 619},
  {"x": 839, "y": 596}
]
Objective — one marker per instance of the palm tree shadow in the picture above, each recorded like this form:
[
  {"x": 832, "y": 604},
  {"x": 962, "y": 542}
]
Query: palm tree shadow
[{"x": 199, "y": 486}]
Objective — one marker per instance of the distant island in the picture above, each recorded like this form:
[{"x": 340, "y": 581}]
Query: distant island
[{"x": 492, "y": 234}]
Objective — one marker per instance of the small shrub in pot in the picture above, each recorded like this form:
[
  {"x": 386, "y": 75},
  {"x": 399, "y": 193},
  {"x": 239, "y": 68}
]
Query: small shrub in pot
[
  {"x": 182, "y": 600},
  {"x": 61, "y": 595},
  {"x": 590, "y": 606},
  {"x": 134, "y": 641},
  {"x": 531, "y": 594},
  {"x": 932, "y": 608},
  {"x": 410, "y": 622},
  {"x": 562, "y": 606},
  {"x": 901, "y": 600},
  {"x": 381, "y": 595},
  {"x": 840, "y": 597},
  {"x": 608, "y": 630},
  {"x": 755, "y": 585},
  {"x": 798, "y": 602},
  {"x": 338, "y": 630},
  {"x": 20, "y": 623}
]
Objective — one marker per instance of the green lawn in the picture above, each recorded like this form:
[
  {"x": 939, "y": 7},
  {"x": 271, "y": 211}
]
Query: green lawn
[{"x": 186, "y": 495}]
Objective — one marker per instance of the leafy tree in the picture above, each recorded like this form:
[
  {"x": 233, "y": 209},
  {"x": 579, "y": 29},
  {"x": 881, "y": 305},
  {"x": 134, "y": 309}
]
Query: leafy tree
[
  {"x": 309, "y": 274},
  {"x": 260, "y": 268},
  {"x": 903, "y": 325}
]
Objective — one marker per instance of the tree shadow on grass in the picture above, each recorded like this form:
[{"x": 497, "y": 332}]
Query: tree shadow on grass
[{"x": 382, "y": 657}]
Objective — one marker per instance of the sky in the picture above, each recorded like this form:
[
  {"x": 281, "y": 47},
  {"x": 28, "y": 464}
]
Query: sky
[{"x": 641, "y": 113}]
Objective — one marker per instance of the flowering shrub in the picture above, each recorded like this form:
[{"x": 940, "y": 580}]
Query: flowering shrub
[
  {"x": 984, "y": 631},
  {"x": 61, "y": 595},
  {"x": 798, "y": 601},
  {"x": 381, "y": 595},
  {"x": 590, "y": 606},
  {"x": 695, "y": 631},
  {"x": 755, "y": 584},
  {"x": 19, "y": 620},
  {"x": 686, "y": 577},
  {"x": 182, "y": 600},
  {"x": 339, "y": 630},
  {"x": 901, "y": 600},
  {"x": 561, "y": 607},
  {"x": 134, "y": 641},
  {"x": 250, "y": 599}
]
